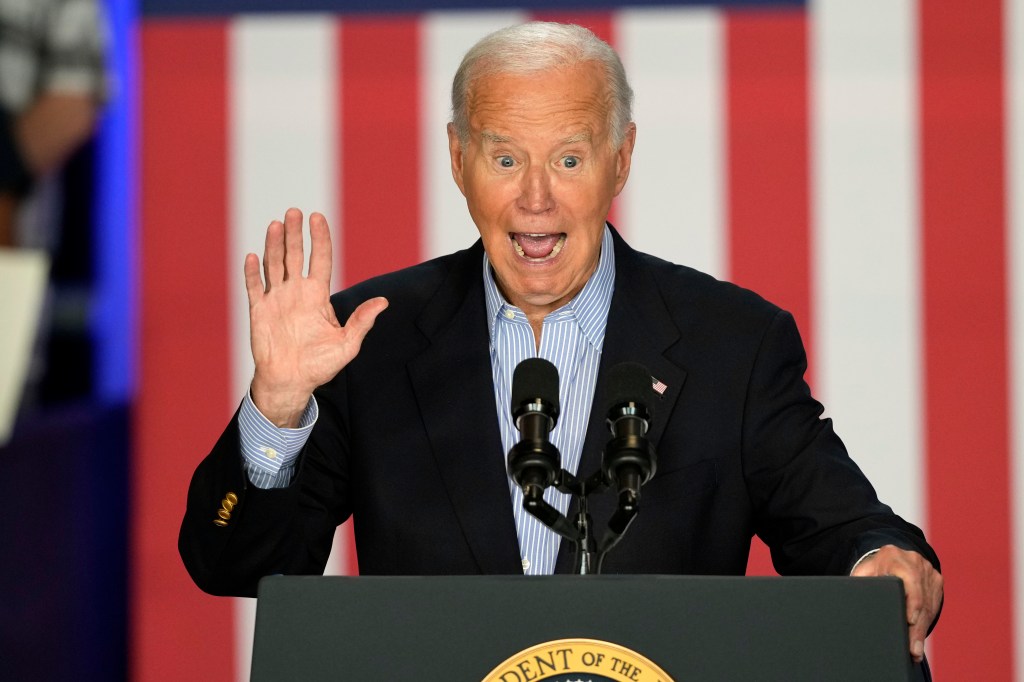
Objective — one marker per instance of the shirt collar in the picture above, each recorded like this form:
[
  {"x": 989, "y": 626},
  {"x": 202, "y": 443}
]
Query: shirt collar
[{"x": 589, "y": 307}]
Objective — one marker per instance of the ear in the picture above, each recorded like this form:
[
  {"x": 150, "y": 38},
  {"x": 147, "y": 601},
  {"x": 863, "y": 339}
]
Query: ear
[
  {"x": 624, "y": 157},
  {"x": 455, "y": 152}
]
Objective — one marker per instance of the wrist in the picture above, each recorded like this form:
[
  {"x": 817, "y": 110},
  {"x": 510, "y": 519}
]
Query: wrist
[{"x": 283, "y": 407}]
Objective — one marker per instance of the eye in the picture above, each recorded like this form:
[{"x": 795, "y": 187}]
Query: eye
[
  {"x": 571, "y": 161},
  {"x": 506, "y": 161}
]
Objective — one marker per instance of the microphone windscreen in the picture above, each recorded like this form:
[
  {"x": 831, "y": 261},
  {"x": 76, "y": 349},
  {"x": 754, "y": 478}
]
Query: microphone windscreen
[
  {"x": 535, "y": 378},
  {"x": 630, "y": 382}
]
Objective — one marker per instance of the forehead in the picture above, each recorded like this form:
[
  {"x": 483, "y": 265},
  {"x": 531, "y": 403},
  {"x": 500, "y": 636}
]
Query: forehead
[{"x": 567, "y": 100}]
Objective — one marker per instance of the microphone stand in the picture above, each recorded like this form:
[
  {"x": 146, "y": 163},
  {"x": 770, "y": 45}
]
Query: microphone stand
[
  {"x": 628, "y": 462},
  {"x": 583, "y": 538},
  {"x": 589, "y": 553},
  {"x": 585, "y": 543},
  {"x": 587, "y": 556}
]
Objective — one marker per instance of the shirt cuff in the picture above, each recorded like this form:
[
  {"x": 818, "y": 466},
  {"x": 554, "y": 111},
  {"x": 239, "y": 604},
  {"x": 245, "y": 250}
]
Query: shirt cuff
[
  {"x": 269, "y": 452},
  {"x": 860, "y": 560}
]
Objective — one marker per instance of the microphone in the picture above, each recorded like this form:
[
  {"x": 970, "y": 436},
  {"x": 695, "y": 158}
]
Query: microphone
[
  {"x": 534, "y": 462},
  {"x": 629, "y": 460}
]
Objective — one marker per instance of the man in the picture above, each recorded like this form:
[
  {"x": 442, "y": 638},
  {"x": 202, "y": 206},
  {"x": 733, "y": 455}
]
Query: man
[{"x": 407, "y": 432}]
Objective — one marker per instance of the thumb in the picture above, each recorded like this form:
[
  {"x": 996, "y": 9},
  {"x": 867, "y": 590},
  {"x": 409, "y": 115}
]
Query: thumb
[{"x": 362, "y": 318}]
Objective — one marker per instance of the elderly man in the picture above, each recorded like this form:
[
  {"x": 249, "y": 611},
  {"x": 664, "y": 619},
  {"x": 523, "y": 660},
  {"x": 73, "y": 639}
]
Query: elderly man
[{"x": 408, "y": 431}]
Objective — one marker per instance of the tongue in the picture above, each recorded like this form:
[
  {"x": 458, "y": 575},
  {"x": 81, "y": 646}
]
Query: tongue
[{"x": 538, "y": 247}]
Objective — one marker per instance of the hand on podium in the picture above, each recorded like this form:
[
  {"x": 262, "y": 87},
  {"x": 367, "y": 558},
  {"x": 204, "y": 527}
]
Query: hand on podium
[{"x": 921, "y": 583}]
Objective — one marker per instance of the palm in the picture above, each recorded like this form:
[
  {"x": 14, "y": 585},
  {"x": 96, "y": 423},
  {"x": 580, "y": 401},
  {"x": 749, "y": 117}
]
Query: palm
[{"x": 297, "y": 341}]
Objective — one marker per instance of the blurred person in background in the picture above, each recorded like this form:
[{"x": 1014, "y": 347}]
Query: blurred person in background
[{"x": 52, "y": 83}]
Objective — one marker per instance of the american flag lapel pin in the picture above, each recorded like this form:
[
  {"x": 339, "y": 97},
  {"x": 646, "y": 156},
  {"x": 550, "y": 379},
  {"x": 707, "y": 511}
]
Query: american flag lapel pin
[{"x": 659, "y": 386}]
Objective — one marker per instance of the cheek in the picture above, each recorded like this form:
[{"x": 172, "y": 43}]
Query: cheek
[
  {"x": 488, "y": 207},
  {"x": 492, "y": 200},
  {"x": 582, "y": 201}
]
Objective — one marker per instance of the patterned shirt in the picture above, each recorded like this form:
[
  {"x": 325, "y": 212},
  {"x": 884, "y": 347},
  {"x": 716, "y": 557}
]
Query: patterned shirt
[
  {"x": 571, "y": 339},
  {"x": 50, "y": 46}
]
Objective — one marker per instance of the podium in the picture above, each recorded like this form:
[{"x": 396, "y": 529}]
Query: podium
[{"x": 562, "y": 628}]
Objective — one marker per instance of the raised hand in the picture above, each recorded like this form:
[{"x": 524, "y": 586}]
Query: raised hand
[{"x": 297, "y": 341}]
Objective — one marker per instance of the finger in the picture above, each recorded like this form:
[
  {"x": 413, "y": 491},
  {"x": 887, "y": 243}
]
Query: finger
[
  {"x": 273, "y": 254},
  {"x": 361, "y": 321},
  {"x": 918, "y": 618},
  {"x": 931, "y": 602},
  {"x": 293, "y": 243},
  {"x": 253, "y": 283},
  {"x": 915, "y": 601},
  {"x": 916, "y": 635},
  {"x": 320, "y": 257}
]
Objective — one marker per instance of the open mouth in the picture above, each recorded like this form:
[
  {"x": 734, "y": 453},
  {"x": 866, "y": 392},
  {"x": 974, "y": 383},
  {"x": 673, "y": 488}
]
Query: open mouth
[{"x": 537, "y": 248}]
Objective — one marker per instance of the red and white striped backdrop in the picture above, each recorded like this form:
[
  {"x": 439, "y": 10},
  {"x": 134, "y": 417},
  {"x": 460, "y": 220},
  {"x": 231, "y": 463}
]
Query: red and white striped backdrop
[{"x": 860, "y": 163}]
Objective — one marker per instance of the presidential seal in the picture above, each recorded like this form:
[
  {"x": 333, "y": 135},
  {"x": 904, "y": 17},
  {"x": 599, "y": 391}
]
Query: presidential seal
[{"x": 577, "y": 660}]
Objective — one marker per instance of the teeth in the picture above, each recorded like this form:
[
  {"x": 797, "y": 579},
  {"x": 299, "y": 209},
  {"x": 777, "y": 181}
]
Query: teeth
[{"x": 554, "y": 251}]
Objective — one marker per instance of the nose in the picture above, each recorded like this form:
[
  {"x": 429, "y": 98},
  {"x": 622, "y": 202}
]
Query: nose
[{"x": 536, "y": 195}]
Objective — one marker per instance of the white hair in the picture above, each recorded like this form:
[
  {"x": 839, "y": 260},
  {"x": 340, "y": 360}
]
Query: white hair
[{"x": 539, "y": 46}]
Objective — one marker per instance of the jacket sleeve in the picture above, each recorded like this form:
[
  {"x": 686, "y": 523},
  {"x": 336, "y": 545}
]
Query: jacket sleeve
[
  {"x": 234, "y": 533},
  {"x": 813, "y": 506}
]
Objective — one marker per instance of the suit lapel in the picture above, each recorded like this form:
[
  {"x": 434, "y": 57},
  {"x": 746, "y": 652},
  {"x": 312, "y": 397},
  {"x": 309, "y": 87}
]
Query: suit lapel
[
  {"x": 453, "y": 384},
  {"x": 452, "y": 380},
  {"x": 640, "y": 329}
]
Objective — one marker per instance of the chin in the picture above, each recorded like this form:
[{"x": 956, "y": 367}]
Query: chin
[{"x": 544, "y": 299}]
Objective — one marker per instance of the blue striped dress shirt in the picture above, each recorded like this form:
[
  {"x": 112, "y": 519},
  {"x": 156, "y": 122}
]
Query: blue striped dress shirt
[{"x": 571, "y": 339}]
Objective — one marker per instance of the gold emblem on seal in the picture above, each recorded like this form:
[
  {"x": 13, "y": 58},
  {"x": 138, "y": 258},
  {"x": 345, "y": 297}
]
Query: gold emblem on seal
[{"x": 582, "y": 660}]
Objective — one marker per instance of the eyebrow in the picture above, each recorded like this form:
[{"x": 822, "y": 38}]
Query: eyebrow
[
  {"x": 578, "y": 137},
  {"x": 495, "y": 138}
]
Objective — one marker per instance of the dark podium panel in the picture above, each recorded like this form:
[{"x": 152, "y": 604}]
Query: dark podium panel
[{"x": 457, "y": 628}]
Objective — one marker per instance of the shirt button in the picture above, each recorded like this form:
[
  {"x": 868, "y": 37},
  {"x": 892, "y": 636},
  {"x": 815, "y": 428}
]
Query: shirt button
[
  {"x": 510, "y": 314},
  {"x": 271, "y": 453},
  {"x": 526, "y": 565}
]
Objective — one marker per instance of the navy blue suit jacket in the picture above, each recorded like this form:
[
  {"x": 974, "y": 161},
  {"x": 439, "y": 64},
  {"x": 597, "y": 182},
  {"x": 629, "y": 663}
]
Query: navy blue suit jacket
[{"x": 407, "y": 443}]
